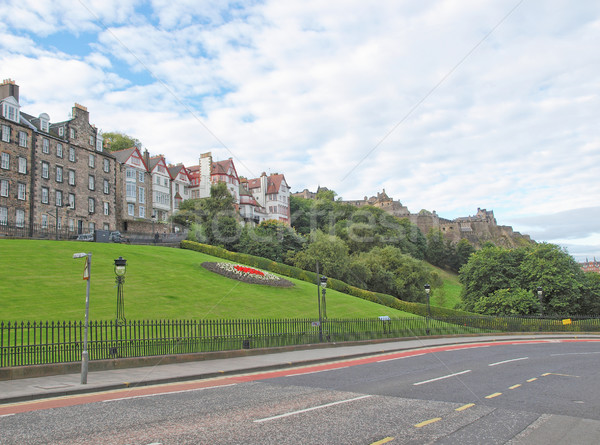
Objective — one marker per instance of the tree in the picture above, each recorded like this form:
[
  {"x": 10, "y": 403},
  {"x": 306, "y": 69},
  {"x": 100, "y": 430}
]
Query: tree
[
  {"x": 271, "y": 239},
  {"x": 559, "y": 275},
  {"x": 388, "y": 270},
  {"x": 508, "y": 302},
  {"x": 488, "y": 270},
  {"x": 546, "y": 265},
  {"x": 120, "y": 141},
  {"x": 437, "y": 251},
  {"x": 331, "y": 253},
  {"x": 325, "y": 194}
]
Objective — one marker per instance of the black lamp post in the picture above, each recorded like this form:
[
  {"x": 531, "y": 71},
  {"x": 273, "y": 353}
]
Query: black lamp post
[
  {"x": 120, "y": 270},
  {"x": 323, "y": 283},
  {"x": 427, "y": 290},
  {"x": 540, "y": 293}
]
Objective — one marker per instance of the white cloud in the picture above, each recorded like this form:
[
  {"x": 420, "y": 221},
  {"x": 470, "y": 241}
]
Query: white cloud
[{"x": 352, "y": 95}]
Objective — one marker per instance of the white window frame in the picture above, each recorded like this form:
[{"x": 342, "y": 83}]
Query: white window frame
[
  {"x": 45, "y": 170},
  {"x": 59, "y": 150},
  {"x": 45, "y": 195},
  {"x": 71, "y": 201},
  {"x": 22, "y": 139},
  {"x": 142, "y": 212},
  {"x": 130, "y": 190},
  {"x": 45, "y": 146},
  {"x": 141, "y": 176},
  {"x": 106, "y": 187},
  {"x": 106, "y": 166},
  {"x": 5, "y": 133},
  {"x": 20, "y": 218},
  {"x": 130, "y": 174},
  {"x": 106, "y": 208},
  {"x": 21, "y": 191},
  {"x": 59, "y": 173},
  {"x": 58, "y": 198},
  {"x": 91, "y": 205},
  {"x": 141, "y": 195},
  {"x": 4, "y": 187},
  {"x": 22, "y": 165},
  {"x": 3, "y": 216},
  {"x": 71, "y": 177},
  {"x": 131, "y": 209},
  {"x": 5, "y": 163},
  {"x": 91, "y": 182},
  {"x": 92, "y": 161},
  {"x": 71, "y": 154}
]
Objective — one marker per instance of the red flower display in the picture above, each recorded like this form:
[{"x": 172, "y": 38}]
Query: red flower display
[{"x": 249, "y": 270}]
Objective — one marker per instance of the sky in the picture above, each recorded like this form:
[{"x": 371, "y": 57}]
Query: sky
[{"x": 448, "y": 105}]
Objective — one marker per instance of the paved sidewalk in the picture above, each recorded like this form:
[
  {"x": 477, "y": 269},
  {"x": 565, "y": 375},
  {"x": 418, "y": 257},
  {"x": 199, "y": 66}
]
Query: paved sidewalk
[{"x": 60, "y": 385}]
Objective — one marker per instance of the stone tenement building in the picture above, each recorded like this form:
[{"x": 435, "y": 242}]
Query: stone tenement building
[
  {"x": 477, "y": 229},
  {"x": 53, "y": 173}
]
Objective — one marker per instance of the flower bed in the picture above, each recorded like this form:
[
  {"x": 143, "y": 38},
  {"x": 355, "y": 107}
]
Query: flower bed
[{"x": 247, "y": 274}]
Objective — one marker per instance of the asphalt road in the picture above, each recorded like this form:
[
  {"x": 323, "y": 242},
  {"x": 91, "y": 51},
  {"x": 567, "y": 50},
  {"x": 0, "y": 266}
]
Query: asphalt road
[{"x": 532, "y": 393}]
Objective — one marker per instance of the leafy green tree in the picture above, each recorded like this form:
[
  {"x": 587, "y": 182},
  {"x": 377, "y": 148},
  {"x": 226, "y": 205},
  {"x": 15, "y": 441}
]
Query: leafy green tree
[
  {"x": 559, "y": 275},
  {"x": 327, "y": 195},
  {"x": 120, "y": 141},
  {"x": 546, "y": 265},
  {"x": 271, "y": 239},
  {"x": 508, "y": 302},
  {"x": 331, "y": 253},
  {"x": 488, "y": 270},
  {"x": 463, "y": 251},
  {"x": 590, "y": 304},
  {"x": 388, "y": 270},
  {"x": 437, "y": 250}
]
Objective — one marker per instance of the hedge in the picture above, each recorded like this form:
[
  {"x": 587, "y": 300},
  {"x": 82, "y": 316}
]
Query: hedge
[{"x": 311, "y": 277}]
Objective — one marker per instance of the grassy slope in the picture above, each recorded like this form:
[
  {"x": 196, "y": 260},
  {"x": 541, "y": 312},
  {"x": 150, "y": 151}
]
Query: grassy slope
[
  {"x": 41, "y": 281},
  {"x": 448, "y": 296}
]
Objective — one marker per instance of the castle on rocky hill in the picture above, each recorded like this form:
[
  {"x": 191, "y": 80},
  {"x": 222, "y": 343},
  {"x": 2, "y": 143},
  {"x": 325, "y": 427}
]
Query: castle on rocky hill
[{"x": 477, "y": 229}]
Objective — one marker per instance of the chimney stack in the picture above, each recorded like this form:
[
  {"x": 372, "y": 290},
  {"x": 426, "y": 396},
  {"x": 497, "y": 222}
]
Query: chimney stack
[{"x": 8, "y": 88}]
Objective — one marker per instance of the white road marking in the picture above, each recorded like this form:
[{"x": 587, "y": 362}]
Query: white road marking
[
  {"x": 508, "y": 361},
  {"x": 7, "y": 415},
  {"x": 327, "y": 405},
  {"x": 441, "y": 378},
  {"x": 575, "y": 353},
  {"x": 166, "y": 393}
]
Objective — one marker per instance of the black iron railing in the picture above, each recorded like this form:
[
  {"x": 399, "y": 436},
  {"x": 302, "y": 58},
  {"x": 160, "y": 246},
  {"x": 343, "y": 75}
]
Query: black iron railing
[{"x": 31, "y": 343}]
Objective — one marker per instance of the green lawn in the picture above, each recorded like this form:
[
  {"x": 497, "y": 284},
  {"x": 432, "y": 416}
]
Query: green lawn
[
  {"x": 42, "y": 281},
  {"x": 448, "y": 296}
]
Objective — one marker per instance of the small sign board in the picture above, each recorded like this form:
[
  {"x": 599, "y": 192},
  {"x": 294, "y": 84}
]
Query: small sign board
[
  {"x": 384, "y": 318},
  {"x": 315, "y": 324},
  {"x": 567, "y": 321}
]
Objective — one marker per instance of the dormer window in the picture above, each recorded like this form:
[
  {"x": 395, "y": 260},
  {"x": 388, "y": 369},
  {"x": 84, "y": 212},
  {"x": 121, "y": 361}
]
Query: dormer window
[
  {"x": 44, "y": 122},
  {"x": 10, "y": 109},
  {"x": 99, "y": 142},
  {"x": 61, "y": 131}
]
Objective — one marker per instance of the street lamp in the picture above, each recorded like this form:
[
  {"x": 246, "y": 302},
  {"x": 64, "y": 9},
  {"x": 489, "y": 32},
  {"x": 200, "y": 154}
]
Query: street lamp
[
  {"x": 540, "y": 293},
  {"x": 120, "y": 269},
  {"x": 323, "y": 284},
  {"x": 427, "y": 290},
  {"x": 87, "y": 272}
]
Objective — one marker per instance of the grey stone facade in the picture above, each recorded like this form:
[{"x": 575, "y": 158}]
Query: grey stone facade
[{"x": 56, "y": 173}]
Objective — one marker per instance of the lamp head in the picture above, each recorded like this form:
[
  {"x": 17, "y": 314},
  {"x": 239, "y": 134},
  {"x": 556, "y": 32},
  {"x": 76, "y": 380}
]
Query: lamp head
[
  {"x": 120, "y": 266},
  {"x": 540, "y": 291},
  {"x": 323, "y": 281},
  {"x": 427, "y": 288}
]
